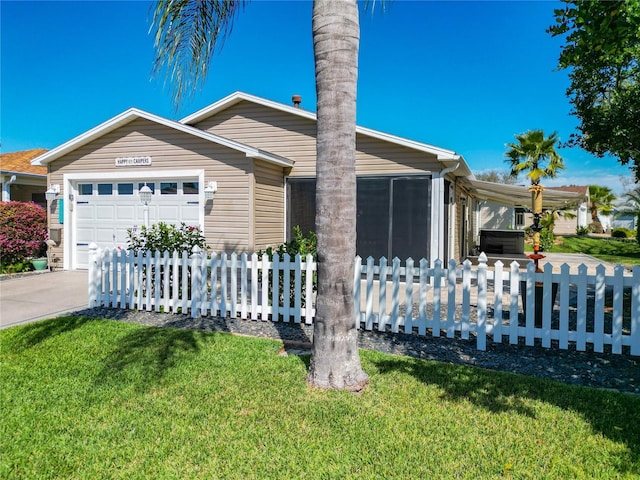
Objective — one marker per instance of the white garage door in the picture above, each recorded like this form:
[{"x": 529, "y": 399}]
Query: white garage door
[{"x": 106, "y": 210}]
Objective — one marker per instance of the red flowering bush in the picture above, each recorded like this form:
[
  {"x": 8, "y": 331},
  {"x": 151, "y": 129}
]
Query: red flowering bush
[{"x": 23, "y": 232}]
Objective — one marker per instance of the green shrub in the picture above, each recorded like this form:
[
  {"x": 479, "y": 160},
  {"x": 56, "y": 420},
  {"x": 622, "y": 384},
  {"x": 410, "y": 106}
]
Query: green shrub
[
  {"x": 547, "y": 238},
  {"x": 582, "y": 231},
  {"x": 164, "y": 237},
  {"x": 300, "y": 244},
  {"x": 621, "y": 232},
  {"x": 23, "y": 232}
]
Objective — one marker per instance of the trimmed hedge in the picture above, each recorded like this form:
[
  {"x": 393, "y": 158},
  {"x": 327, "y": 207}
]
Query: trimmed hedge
[{"x": 23, "y": 232}]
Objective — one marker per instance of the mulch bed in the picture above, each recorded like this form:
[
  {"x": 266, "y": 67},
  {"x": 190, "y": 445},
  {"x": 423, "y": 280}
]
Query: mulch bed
[{"x": 590, "y": 369}]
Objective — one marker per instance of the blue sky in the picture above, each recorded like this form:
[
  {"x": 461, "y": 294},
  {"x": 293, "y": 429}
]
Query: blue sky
[{"x": 465, "y": 76}]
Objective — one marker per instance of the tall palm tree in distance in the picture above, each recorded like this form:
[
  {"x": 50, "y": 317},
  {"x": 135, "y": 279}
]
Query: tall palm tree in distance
[
  {"x": 536, "y": 156},
  {"x": 187, "y": 33},
  {"x": 600, "y": 202}
]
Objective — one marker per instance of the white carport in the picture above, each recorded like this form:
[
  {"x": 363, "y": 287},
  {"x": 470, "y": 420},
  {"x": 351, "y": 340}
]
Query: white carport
[{"x": 520, "y": 196}]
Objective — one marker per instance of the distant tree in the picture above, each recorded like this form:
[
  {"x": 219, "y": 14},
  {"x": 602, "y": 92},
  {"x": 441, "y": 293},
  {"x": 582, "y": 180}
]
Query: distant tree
[
  {"x": 600, "y": 203},
  {"x": 602, "y": 50},
  {"x": 496, "y": 176},
  {"x": 631, "y": 207},
  {"x": 536, "y": 155}
]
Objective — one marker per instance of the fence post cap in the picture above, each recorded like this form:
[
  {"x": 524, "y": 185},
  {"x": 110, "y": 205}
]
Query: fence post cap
[{"x": 93, "y": 246}]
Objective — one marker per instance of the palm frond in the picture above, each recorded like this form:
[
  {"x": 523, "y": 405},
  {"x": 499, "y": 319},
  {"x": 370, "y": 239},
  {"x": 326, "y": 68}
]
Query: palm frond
[
  {"x": 536, "y": 153},
  {"x": 187, "y": 33}
]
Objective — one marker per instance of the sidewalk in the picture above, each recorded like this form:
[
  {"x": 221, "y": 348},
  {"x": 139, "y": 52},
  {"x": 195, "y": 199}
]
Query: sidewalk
[{"x": 37, "y": 296}]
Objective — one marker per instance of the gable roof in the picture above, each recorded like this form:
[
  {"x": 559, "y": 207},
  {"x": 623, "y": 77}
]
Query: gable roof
[
  {"x": 133, "y": 114},
  {"x": 449, "y": 158},
  {"x": 20, "y": 162}
]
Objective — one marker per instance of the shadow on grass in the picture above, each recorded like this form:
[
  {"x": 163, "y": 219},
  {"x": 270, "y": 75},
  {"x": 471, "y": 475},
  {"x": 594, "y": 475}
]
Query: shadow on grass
[
  {"x": 143, "y": 357},
  {"x": 32, "y": 334},
  {"x": 615, "y": 416}
]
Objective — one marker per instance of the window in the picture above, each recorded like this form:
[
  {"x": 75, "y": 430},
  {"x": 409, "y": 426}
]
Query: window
[
  {"x": 372, "y": 221},
  {"x": 301, "y": 199},
  {"x": 85, "y": 189},
  {"x": 151, "y": 185},
  {"x": 190, "y": 188},
  {"x": 105, "y": 189},
  {"x": 125, "y": 189},
  {"x": 393, "y": 215},
  {"x": 519, "y": 217},
  {"x": 168, "y": 188}
]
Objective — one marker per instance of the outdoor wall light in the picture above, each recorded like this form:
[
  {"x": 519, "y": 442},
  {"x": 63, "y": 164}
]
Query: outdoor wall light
[
  {"x": 54, "y": 190},
  {"x": 210, "y": 189},
  {"x": 145, "y": 194},
  {"x": 145, "y": 197}
]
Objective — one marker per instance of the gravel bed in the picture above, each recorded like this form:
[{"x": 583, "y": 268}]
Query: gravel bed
[{"x": 596, "y": 370}]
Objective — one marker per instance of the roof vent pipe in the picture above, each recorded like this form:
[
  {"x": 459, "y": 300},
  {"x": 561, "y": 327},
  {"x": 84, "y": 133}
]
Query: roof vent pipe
[{"x": 297, "y": 100}]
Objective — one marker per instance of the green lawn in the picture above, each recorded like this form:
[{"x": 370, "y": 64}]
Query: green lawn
[
  {"x": 625, "y": 253},
  {"x": 86, "y": 398}
]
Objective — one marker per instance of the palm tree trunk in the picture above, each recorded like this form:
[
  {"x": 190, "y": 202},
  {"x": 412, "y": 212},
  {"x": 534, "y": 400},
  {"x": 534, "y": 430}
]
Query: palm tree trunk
[
  {"x": 536, "y": 203},
  {"x": 335, "y": 362},
  {"x": 595, "y": 220}
]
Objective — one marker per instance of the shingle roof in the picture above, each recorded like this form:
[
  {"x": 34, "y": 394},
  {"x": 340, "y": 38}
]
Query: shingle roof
[{"x": 20, "y": 162}]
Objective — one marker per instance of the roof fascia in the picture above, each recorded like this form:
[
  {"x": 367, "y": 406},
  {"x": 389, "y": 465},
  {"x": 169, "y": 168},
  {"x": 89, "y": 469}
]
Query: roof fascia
[
  {"x": 517, "y": 195},
  {"x": 133, "y": 114},
  {"x": 19, "y": 174},
  {"x": 236, "y": 97}
]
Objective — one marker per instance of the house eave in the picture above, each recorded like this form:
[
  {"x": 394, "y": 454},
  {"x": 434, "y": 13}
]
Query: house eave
[
  {"x": 447, "y": 157},
  {"x": 8, "y": 173},
  {"x": 134, "y": 114}
]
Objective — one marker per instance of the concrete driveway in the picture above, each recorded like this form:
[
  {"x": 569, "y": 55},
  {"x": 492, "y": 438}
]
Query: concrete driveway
[
  {"x": 37, "y": 296},
  {"x": 574, "y": 260}
]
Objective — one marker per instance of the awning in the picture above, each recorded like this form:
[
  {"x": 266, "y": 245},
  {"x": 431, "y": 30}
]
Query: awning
[{"x": 520, "y": 196}]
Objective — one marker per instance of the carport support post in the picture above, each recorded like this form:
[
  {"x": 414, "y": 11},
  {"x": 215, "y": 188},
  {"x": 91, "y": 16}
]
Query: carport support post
[{"x": 536, "y": 200}]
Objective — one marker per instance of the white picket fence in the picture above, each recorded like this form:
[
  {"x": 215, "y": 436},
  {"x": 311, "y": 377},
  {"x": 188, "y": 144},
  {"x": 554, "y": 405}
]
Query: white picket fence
[{"x": 429, "y": 300}]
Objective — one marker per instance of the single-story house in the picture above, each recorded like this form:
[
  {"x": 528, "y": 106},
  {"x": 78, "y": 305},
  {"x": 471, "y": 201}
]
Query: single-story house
[
  {"x": 22, "y": 181},
  {"x": 243, "y": 169}
]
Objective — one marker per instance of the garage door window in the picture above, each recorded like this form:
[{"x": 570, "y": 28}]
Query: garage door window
[
  {"x": 190, "y": 188},
  {"x": 125, "y": 189},
  {"x": 85, "y": 189},
  {"x": 105, "y": 189},
  {"x": 151, "y": 185},
  {"x": 168, "y": 188}
]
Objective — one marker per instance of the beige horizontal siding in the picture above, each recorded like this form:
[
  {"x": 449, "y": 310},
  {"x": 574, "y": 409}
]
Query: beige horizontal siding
[
  {"x": 225, "y": 223},
  {"x": 268, "y": 205},
  {"x": 294, "y": 137}
]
